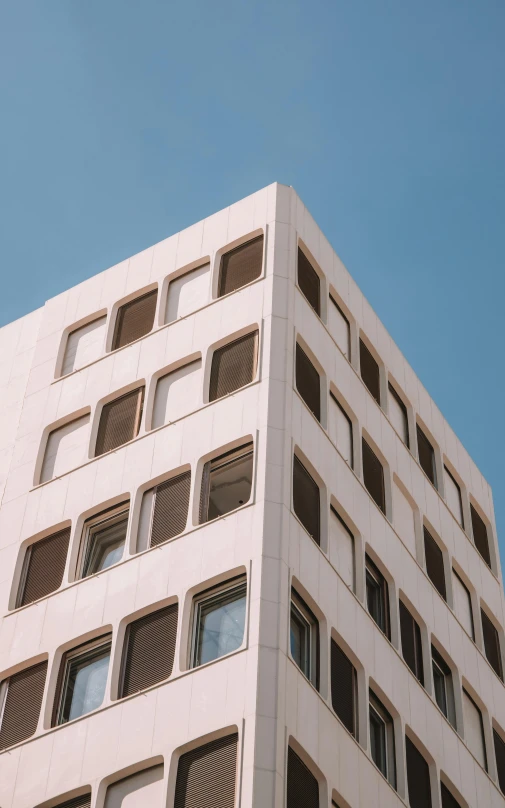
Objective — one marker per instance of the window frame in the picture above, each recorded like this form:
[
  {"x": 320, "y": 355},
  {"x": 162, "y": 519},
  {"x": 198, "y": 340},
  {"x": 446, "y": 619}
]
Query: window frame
[
  {"x": 363, "y": 348},
  {"x": 90, "y": 529},
  {"x": 348, "y": 418},
  {"x": 334, "y": 302},
  {"x": 216, "y": 463},
  {"x": 380, "y": 585},
  {"x": 309, "y": 621},
  {"x": 383, "y": 717},
  {"x": 215, "y": 594},
  {"x": 403, "y": 407},
  {"x": 140, "y": 390},
  {"x": 118, "y": 315},
  {"x": 444, "y": 673},
  {"x": 421, "y": 437},
  {"x": 92, "y": 649}
]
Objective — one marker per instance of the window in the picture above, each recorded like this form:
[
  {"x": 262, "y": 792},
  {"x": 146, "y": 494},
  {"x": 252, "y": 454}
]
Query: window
[
  {"x": 377, "y": 597},
  {"x": 308, "y": 382},
  {"x": 143, "y": 788},
  {"x": 43, "y": 567},
  {"x": 187, "y": 293},
  {"x": 344, "y": 689},
  {"x": 411, "y": 643},
  {"x": 164, "y": 511},
  {"x": 453, "y": 496},
  {"x": 233, "y": 366},
  {"x": 303, "y": 788},
  {"x": 373, "y": 476},
  {"x": 206, "y": 775},
  {"x": 426, "y": 456},
  {"x": 226, "y": 482},
  {"x": 369, "y": 371},
  {"x": 418, "y": 777},
  {"x": 491, "y": 644},
  {"x": 463, "y": 604},
  {"x": 434, "y": 563},
  {"x": 66, "y": 448},
  {"x": 219, "y": 621},
  {"x": 382, "y": 739},
  {"x": 20, "y": 702},
  {"x": 135, "y": 319},
  {"x": 443, "y": 687},
  {"x": 84, "y": 345},
  {"x": 119, "y": 421},
  {"x": 306, "y": 500},
  {"x": 342, "y": 549},
  {"x": 339, "y": 328},
  {"x": 448, "y": 801},
  {"x": 103, "y": 540},
  {"x": 240, "y": 266},
  {"x": 398, "y": 415},
  {"x": 177, "y": 394},
  {"x": 304, "y": 638},
  {"x": 340, "y": 430},
  {"x": 480, "y": 535},
  {"x": 309, "y": 282},
  {"x": 474, "y": 729},
  {"x": 403, "y": 516},
  {"x": 499, "y": 750},
  {"x": 149, "y": 650},
  {"x": 82, "y": 680}
]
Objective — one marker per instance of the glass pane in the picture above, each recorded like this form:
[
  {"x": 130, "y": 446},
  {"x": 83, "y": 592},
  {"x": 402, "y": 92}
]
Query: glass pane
[
  {"x": 87, "y": 677},
  {"x": 378, "y": 741},
  {"x": 230, "y": 485},
  {"x": 221, "y": 626},
  {"x": 299, "y": 641},
  {"x": 440, "y": 691},
  {"x": 105, "y": 546},
  {"x": 374, "y": 601}
]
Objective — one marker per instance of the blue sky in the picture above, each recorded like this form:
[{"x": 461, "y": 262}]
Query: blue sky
[{"x": 125, "y": 121}]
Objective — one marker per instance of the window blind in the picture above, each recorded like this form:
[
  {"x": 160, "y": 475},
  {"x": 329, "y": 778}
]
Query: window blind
[
  {"x": 369, "y": 371},
  {"x": 373, "y": 476},
  {"x": 119, "y": 421},
  {"x": 171, "y": 502},
  {"x": 308, "y": 382},
  {"x": 206, "y": 775},
  {"x": 309, "y": 282},
  {"x": 480, "y": 536},
  {"x": 303, "y": 788},
  {"x": 434, "y": 563},
  {"x": 306, "y": 499},
  {"x": 149, "y": 650},
  {"x": 43, "y": 567},
  {"x": 418, "y": 777},
  {"x": 135, "y": 319},
  {"x": 233, "y": 366},
  {"x": 491, "y": 644},
  {"x": 343, "y": 687},
  {"x": 240, "y": 266},
  {"x": 22, "y": 704},
  {"x": 411, "y": 643}
]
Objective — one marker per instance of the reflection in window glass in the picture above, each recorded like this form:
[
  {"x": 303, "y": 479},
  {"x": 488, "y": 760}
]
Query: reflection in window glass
[
  {"x": 382, "y": 739},
  {"x": 442, "y": 684},
  {"x": 104, "y": 540},
  {"x": 220, "y": 621},
  {"x": 85, "y": 678},
  {"x": 226, "y": 483}
]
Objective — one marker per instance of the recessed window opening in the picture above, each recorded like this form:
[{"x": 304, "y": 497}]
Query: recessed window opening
[
  {"x": 418, "y": 777},
  {"x": 377, "y": 597},
  {"x": 448, "y": 801},
  {"x": 119, "y": 421},
  {"x": 443, "y": 686},
  {"x": 308, "y": 382},
  {"x": 206, "y": 776},
  {"x": 382, "y": 739},
  {"x": 373, "y": 476},
  {"x": 219, "y": 621},
  {"x": 411, "y": 643},
  {"x": 149, "y": 650},
  {"x": 398, "y": 415},
  {"x": 434, "y": 563},
  {"x": 474, "y": 729},
  {"x": 499, "y": 749},
  {"x": 134, "y": 319},
  {"x": 344, "y": 688},
  {"x": 342, "y": 550},
  {"x": 233, "y": 366},
  {"x": 480, "y": 535},
  {"x": 306, "y": 500},
  {"x": 339, "y": 327},
  {"x": 302, "y": 786},
  {"x": 304, "y": 638},
  {"x": 370, "y": 372},
  {"x": 340, "y": 430},
  {"x": 103, "y": 541},
  {"x": 426, "y": 456},
  {"x": 453, "y": 496},
  {"x": 309, "y": 282},
  {"x": 226, "y": 482},
  {"x": 20, "y": 702},
  {"x": 240, "y": 266},
  {"x": 491, "y": 644},
  {"x": 43, "y": 567},
  {"x": 84, "y": 677},
  {"x": 463, "y": 604}
]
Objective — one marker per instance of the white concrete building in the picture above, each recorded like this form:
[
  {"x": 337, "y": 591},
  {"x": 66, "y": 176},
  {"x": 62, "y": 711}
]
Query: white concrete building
[{"x": 244, "y": 560}]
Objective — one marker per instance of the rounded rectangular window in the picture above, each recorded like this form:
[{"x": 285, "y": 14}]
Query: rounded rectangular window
[
  {"x": 83, "y": 677},
  {"x": 219, "y": 622},
  {"x": 103, "y": 541},
  {"x": 226, "y": 482}
]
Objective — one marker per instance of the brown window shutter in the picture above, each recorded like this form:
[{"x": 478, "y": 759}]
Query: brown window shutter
[
  {"x": 491, "y": 644},
  {"x": 343, "y": 687},
  {"x": 448, "y": 801},
  {"x": 434, "y": 563},
  {"x": 411, "y": 642},
  {"x": 418, "y": 777},
  {"x": 135, "y": 319},
  {"x": 119, "y": 421},
  {"x": 206, "y": 776},
  {"x": 306, "y": 500},
  {"x": 309, "y": 282},
  {"x": 22, "y": 705},
  {"x": 303, "y": 788},
  {"x": 308, "y": 382},
  {"x": 499, "y": 749},
  {"x": 373, "y": 476},
  {"x": 149, "y": 650},
  {"x": 84, "y": 801},
  {"x": 43, "y": 567},
  {"x": 480, "y": 536},
  {"x": 240, "y": 266},
  {"x": 369, "y": 371},
  {"x": 171, "y": 502},
  {"x": 233, "y": 366},
  {"x": 426, "y": 456}
]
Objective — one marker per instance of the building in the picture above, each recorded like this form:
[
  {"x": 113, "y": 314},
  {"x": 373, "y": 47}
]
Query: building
[{"x": 244, "y": 559}]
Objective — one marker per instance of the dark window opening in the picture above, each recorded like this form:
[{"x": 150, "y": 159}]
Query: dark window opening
[{"x": 370, "y": 372}]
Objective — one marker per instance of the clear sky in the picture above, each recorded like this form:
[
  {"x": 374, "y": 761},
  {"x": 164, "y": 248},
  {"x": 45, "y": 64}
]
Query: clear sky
[{"x": 124, "y": 121}]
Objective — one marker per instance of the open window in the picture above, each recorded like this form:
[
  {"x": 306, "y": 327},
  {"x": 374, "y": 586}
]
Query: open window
[
  {"x": 226, "y": 482},
  {"x": 82, "y": 680},
  {"x": 103, "y": 540},
  {"x": 240, "y": 266},
  {"x": 304, "y": 638},
  {"x": 382, "y": 739},
  {"x": 134, "y": 319},
  {"x": 218, "y": 621},
  {"x": 119, "y": 421}
]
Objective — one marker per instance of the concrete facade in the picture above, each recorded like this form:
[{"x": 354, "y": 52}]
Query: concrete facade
[{"x": 51, "y": 480}]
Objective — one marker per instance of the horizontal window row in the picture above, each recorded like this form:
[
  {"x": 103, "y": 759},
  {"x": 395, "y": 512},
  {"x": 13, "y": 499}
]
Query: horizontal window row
[
  {"x": 147, "y": 647},
  {"x": 353, "y": 700},
  {"x": 205, "y": 775},
  {"x": 310, "y": 384},
  {"x": 100, "y": 539},
  {"x": 181, "y": 294},
  {"x": 173, "y": 393},
  {"x": 310, "y": 505}
]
